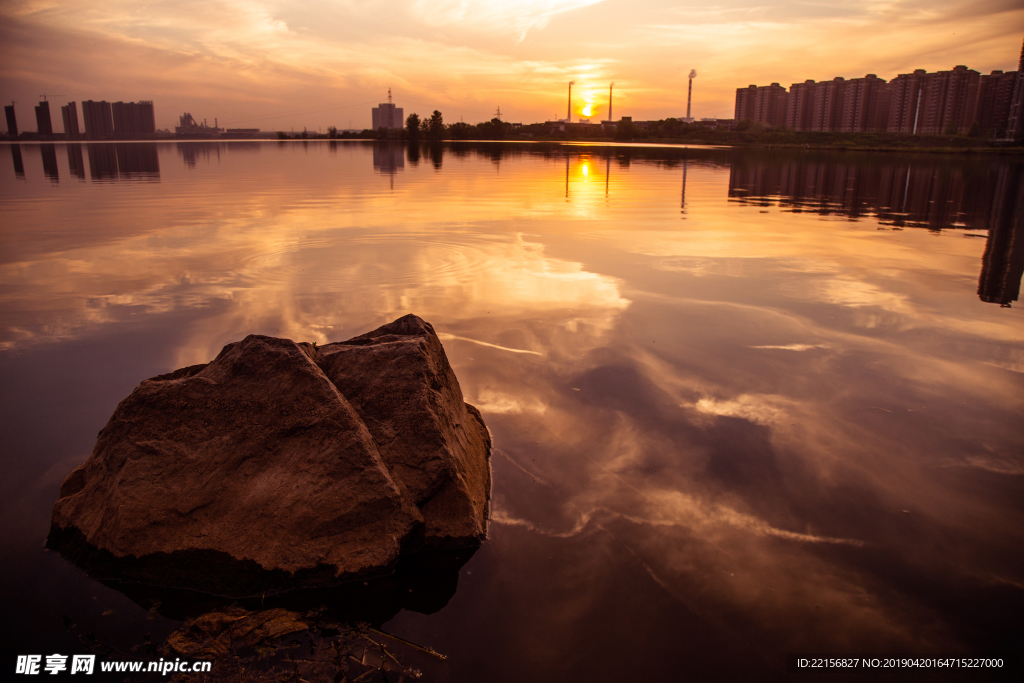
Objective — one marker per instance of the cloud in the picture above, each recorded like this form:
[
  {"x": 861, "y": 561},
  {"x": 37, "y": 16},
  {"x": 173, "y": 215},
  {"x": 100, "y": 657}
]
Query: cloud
[{"x": 247, "y": 59}]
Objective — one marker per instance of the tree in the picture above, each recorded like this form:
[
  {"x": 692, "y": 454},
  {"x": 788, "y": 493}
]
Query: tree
[
  {"x": 332, "y": 132},
  {"x": 461, "y": 131},
  {"x": 435, "y": 127},
  {"x": 625, "y": 130},
  {"x": 412, "y": 126}
]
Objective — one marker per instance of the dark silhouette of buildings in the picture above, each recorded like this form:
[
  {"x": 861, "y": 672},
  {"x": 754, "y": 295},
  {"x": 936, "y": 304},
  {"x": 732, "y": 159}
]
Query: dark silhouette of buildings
[
  {"x": 138, "y": 161},
  {"x": 386, "y": 115},
  {"x": 125, "y": 161},
  {"x": 44, "y": 124},
  {"x": 1003, "y": 263},
  {"x": 49, "y": 156},
  {"x": 102, "y": 161},
  {"x": 19, "y": 164},
  {"x": 995, "y": 94},
  {"x": 389, "y": 159},
  {"x": 76, "y": 164},
  {"x": 765, "y": 104},
  {"x": 905, "y": 93},
  {"x": 191, "y": 152},
  {"x": 188, "y": 127},
  {"x": 913, "y": 193},
  {"x": 133, "y": 120},
  {"x": 957, "y": 101},
  {"x": 12, "y": 121},
  {"x": 1015, "y": 119},
  {"x": 865, "y": 106},
  {"x": 69, "y": 113},
  {"x": 98, "y": 120}
]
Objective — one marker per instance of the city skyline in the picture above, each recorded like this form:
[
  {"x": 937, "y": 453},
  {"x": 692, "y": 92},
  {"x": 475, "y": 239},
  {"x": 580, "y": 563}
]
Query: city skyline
[{"x": 311, "y": 64}]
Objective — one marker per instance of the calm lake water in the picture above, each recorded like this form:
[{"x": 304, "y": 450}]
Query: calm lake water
[{"x": 743, "y": 403}]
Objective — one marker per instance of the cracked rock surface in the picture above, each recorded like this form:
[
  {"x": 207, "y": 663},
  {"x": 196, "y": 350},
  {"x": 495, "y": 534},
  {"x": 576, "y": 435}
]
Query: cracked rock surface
[{"x": 281, "y": 465}]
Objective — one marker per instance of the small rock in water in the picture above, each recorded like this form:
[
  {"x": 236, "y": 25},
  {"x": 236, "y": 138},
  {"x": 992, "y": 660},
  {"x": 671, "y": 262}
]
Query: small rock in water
[{"x": 281, "y": 465}]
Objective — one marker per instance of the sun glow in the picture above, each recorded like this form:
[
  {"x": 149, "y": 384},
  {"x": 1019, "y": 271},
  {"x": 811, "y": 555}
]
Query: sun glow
[{"x": 588, "y": 97}]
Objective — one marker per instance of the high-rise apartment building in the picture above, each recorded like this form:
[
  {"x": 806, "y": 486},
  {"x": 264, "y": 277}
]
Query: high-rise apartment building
[
  {"x": 905, "y": 94},
  {"x": 799, "y": 106},
  {"x": 1015, "y": 120},
  {"x": 765, "y": 104},
  {"x": 133, "y": 120},
  {"x": 827, "y": 104},
  {"x": 12, "y": 121},
  {"x": 386, "y": 115},
  {"x": 770, "y": 105},
  {"x": 69, "y": 113},
  {"x": 44, "y": 124},
  {"x": 949, "y": 101},
  {"x": 99, "y": 123},
  {"x": 745, "y": 102},
  {"x": 939, "y": 103},
  {"x": 865, "y": 105},
  {"x": 995, "y": 94}
]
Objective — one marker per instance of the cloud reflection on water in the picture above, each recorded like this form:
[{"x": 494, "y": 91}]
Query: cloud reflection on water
[{"x": 804, "y": 432}]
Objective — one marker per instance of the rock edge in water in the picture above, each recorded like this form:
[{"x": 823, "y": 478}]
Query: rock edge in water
[{"x": 282, "y": 465}]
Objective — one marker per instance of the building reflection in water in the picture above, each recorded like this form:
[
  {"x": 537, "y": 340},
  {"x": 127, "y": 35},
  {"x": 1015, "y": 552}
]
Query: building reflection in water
[
  {"x": 932, "y": 194},
  {"x": 389, "y": 159},
  {"x": 191, "y": 152},
  {"x": 102, "y": 161},
  {"x": 76, "y": 162},
  {"x": 1003, "y": 263},
  {"x": 138, "y": 161},
  {"x": 49, "y": 155},
  {"x": 19, "y": 164},
  {"x": 124, "y": 161}
]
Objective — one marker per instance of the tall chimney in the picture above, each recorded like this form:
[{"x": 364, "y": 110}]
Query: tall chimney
[
  {"x": 568, "y": 110},
  {"x": 610, "y": 101},
  {"x": 689, "y": 93}
]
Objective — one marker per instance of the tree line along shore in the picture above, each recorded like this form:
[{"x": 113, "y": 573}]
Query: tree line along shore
[{"x": 744, "y": 133}]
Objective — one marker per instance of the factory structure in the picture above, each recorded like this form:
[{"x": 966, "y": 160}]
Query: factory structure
[{"x": 958, "y": 101}]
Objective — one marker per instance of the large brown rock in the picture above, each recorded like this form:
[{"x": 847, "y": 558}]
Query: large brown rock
[{"x": 282, "y": 465}]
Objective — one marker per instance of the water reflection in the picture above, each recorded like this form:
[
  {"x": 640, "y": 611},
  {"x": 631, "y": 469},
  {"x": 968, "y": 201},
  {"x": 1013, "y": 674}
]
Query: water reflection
[
  {"x": 767, "y": 429},
  {"x": 76, "y": 162},
  {"x": 191, "y": 152},
  {"x": 910, "y": 192},
  {"x": 1003, "y": 264},
  {"x": 901, "y": 191},
  {"x": 19, "y": 164},
  {"x": 102, "y": 161},
  {"x": 49, "y": 155}
]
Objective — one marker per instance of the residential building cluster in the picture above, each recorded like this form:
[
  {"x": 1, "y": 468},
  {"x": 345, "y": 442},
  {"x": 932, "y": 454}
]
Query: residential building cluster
[
  {"x": 102, "y": 120},
  {"x": 957, "y": 101}
]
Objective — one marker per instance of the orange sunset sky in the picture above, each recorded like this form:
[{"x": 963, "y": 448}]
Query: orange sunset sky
[{"x": 280, "y": 65}]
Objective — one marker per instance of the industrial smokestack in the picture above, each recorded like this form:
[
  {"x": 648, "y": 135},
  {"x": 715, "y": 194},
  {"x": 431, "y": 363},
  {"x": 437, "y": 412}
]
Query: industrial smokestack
[
  {"x": 568, "y": 110},
  {"x": 689, "y": 93},
  {"x": 610, "y": 101}
]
